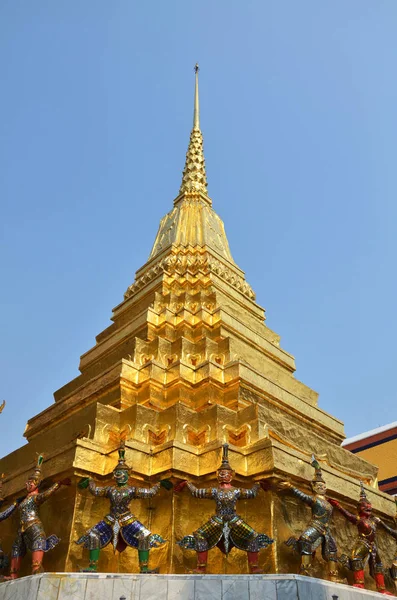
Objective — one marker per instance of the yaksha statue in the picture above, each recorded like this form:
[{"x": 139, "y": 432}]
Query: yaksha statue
[
  {"x": 317, "y": 532},
  {"x": 393, "y": 568},
  {"x": 226, "y": 528},
  {"x": 4, "y": 561},
  {"x": 31, "y": 534},
  {"x": 120, "y": 526},
  {"x": 365, "y": 549}
]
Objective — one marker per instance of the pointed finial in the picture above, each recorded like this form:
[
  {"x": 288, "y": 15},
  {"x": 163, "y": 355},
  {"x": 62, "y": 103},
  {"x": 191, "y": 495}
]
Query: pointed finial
[
  {"x": 194, "y": 178},
  {"x": 196, "y": 112},
  {"x": 318, "y": 475},
  {"x": 225, "y": 466},
  {"x": 36, "y": 475},
  {"x": 363, "y": 495}
]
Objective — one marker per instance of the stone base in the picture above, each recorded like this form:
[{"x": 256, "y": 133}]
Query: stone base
[{"x": 111, "y": 586}]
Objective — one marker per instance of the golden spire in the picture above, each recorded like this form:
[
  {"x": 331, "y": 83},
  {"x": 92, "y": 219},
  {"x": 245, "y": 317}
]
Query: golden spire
[
  {"x": 194, "y": 178},
  {"x": 196, "y": 112}
]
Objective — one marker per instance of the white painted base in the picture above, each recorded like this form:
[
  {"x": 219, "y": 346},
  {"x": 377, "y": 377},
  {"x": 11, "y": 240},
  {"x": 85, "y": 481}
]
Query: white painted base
[{"x": 111, "y": 586}]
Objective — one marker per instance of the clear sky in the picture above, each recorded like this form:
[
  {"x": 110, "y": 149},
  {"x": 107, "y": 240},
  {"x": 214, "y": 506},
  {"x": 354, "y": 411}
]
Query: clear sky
[{"x": 298, "y": 111}]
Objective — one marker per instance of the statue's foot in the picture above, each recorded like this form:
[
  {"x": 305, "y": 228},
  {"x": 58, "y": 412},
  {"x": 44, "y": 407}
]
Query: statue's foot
[
  {"x": 148, "y": 571},
  {"x": 336, "y": 579},
  {"x": 197, "y": 571},
  {"x": 380, "y": 584},
  {"x": 37, "y": 570},
  {"x": 87, "y": 570},
  {"x": 359, "y": 585},
  {"x": 256, "y": 570}
]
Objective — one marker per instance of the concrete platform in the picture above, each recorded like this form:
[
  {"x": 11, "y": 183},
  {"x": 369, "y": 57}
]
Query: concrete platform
[{"x": 111, "y": 586}]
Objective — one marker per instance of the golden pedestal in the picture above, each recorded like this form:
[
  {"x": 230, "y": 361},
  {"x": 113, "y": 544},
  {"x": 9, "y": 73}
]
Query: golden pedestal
[{"x": 188, "y": 364}]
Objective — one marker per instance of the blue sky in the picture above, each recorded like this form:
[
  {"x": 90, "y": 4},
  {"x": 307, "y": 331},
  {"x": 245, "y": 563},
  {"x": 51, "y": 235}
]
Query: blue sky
[{"x": 298, "y": 111}]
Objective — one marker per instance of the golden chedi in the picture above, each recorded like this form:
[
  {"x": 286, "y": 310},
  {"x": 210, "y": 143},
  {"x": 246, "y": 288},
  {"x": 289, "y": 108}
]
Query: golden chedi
[{"x": 187, "y": 365}]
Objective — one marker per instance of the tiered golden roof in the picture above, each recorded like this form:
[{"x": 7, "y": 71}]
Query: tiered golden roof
[{"x": 186, "y": 365}]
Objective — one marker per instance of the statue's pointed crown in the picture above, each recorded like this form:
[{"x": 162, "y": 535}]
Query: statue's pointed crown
[
  {"x": 37, "y": 472},
  {"x": 318, "y": 474},
  {"x": 122, "y": 464},
  {"x": 225, "y": 465},
  {"x": 363, "y": 495}
]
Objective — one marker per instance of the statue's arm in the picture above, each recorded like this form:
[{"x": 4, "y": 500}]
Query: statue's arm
[
  {"x": 200, "y": 492},
  {"x": 146, "y": 492},
  {"x": 393, "y": 532},
  {"x": 8, "y": 511},
  {"x": 43, "y": 496},
  {"x": 251, "y": 493},
  {"x": 348, "y": 515},
  {"x": 309, "y": 500},
  {"x": 96, "y": 490}
]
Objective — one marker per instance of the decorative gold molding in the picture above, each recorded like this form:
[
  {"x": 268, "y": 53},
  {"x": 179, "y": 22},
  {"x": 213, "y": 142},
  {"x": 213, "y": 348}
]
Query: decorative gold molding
[{"x": 194, "y": 263}]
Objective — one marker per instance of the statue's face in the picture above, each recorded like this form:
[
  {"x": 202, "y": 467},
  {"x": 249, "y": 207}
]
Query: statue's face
[
  {"x": 365, "y": 509},
  {"x": 225, "y": 476},
  {"x": 319, "y": 488},
  {"x": 121, "y": 476},
  {"x": 31, "y": 485}
]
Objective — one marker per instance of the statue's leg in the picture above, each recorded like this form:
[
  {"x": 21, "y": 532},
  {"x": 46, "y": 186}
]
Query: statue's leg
[
  {"x": 309, "y": 540},
  {"x": 202, "y": 540},
  {"x": 357, "y": 561},
  {"x": 15, "y": 567},
  {"x": 393, "y": 572},
  {"x": 37, "y": 561},
  {"x": 379, "y": 576},
  {"x": 202, "y": 553},
  {"x": 253, "y": 559},
  {"x": 244, "y": 537},
  {"x": 94, "y": 547},
  {"x": 144, "y": 562},
  {"x": 357, "y": 567},
  {"x": 202, "y": 560},
  {"x": 143, "y": 554},
  {"x": 380, "y": 584},
  {"x": 94, "y": 558},
  {"x": 358, "y": 575},
  {"x": 305, "y": 547},
  {"x": 17, "y": 553},
  {"x": 330, "y": 554},
  {"x": 333, "y": 571}
]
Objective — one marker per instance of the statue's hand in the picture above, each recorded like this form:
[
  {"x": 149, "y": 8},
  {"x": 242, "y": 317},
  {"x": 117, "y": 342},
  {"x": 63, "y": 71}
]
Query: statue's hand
[
  {"x": 274, "y": 485},
  {"x": 179, "y": 486},
  {"x": 83, "y": 483},
  {"x": 66, "y": 481},
  {"x": 166, "y": 484},
  {"x": 333, "y": 502},
  {"x": 266, "y": 485},
  {"x": 283, "y": 486}
]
